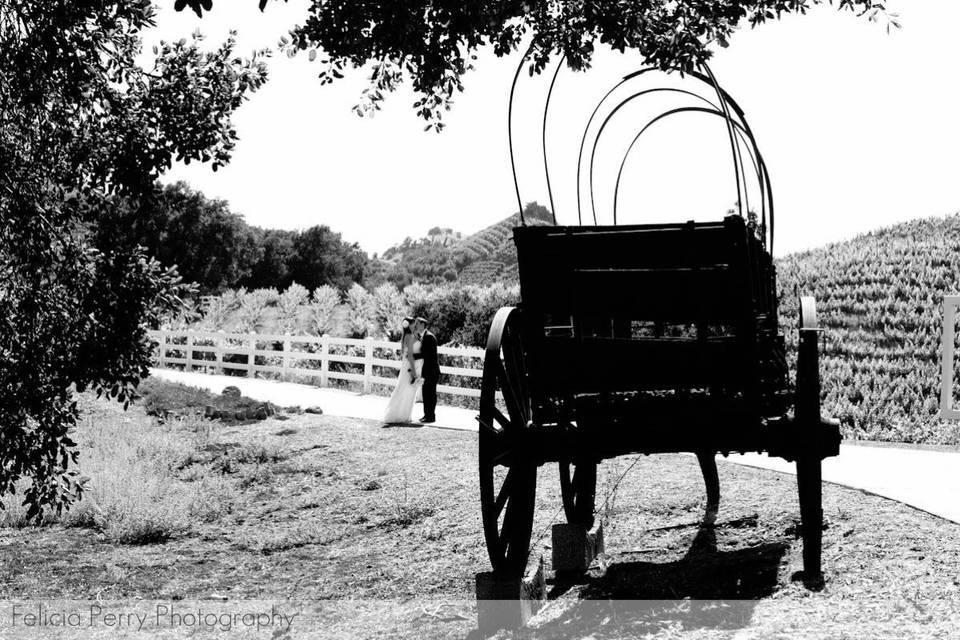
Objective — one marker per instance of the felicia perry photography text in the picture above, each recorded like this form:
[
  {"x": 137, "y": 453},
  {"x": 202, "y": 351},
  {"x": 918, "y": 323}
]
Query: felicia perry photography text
[{"x": 162, "y": 615}]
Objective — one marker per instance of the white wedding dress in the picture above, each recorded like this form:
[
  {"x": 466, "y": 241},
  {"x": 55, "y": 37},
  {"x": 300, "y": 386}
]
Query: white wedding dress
[{"x": 400, "y": 408}]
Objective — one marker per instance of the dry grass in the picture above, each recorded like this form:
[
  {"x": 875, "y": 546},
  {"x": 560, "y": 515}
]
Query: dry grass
[{"x": 345, "y": 509}]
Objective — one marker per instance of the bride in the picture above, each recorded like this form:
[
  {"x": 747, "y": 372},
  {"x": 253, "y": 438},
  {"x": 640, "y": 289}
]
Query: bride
[{"x": 408, "y": 382}]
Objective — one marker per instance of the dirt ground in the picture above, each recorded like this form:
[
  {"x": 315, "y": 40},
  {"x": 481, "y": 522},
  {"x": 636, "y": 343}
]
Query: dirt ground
[{"x": 375, "y": 532}]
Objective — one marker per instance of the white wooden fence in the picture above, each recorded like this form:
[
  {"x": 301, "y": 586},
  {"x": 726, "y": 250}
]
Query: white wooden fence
[
  {"x": 947, "y": 410},
  {"x": 285, "y": 356}
]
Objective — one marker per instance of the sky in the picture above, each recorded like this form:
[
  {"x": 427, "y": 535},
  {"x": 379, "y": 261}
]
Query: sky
[{"x": 858, "y": 128}]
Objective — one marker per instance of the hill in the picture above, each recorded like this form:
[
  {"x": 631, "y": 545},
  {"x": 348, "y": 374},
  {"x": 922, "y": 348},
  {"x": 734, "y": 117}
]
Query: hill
[
  {"x": 490, "y": 255},
  {"x": 443, "y": 256},
  {"x": 879, "y": 299}
]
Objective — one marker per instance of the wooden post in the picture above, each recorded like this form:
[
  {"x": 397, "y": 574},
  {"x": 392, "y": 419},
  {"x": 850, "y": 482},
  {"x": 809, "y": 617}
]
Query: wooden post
[
  {"x": 189, "y": 352},
  {"x": 367, "y": 363},
  {"x": 324, "y": 359},
  {"x": 286, "y": 360},
  {"x": 251, "y": 355},
  {"x": 162, "y": 348},
  {"x": 218, "y": 345},
  {"x": 947, "y": 412}
]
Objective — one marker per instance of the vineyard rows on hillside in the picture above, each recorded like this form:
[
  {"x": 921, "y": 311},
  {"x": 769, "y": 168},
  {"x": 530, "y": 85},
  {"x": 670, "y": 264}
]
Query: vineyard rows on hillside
[{"x": 879, "y": 300}]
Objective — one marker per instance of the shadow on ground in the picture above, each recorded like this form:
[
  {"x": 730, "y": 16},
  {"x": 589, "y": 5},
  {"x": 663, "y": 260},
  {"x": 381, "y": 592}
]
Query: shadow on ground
[{"x": 705, "y": 589}]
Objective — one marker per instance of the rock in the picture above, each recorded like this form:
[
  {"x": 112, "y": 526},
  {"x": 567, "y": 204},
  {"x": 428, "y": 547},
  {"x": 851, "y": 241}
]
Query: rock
[
  {"x": 231, "y": 392},
  {"x": 315, "y": 410}
]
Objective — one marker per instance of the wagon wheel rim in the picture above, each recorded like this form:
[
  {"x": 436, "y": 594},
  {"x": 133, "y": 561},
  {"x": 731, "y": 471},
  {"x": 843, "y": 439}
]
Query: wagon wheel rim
[
  {"x": 578, "y": 491},
  {"x": 507, "y": 481}
]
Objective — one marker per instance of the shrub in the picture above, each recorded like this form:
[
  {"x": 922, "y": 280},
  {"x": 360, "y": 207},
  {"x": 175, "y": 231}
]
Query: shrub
[
  {"x": 416, "y": 296},
  {"x": 323, "y": 304},
  {"x": 219, "y": 311},
  {"x": 214, "y": 497},
  {"x": 165, "y": 399},
  {"x": 131, "y": 494},
  {"x": 252, "y": 315},
  {"x": 289, "y": 308},
  {"x": 388, "y": 308},
  {"x": 361, "y": 311}
]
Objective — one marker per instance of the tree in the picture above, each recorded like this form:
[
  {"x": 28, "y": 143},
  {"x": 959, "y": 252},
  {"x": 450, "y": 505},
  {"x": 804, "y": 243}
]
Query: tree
[
  {"x": 82, "y": 128},
  {"x": 276, "y": 254},
  {"x": 320, "y": 257},
  {"x": 201, "y": 237},
  {"x": 433, "y": 43}
]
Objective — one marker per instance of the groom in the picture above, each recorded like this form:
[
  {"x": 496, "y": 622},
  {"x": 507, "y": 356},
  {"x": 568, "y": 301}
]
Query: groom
[{"x": 430, "y": 371}]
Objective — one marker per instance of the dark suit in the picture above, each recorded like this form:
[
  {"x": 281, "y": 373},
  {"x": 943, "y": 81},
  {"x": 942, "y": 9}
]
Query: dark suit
[{"x": 430, "y": 373}]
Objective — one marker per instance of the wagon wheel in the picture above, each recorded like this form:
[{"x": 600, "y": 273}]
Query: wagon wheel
[
  {"x": 807, "y": 417},
  {"x": 578, "y": 491},
  {"x": 508, "y": 482}
]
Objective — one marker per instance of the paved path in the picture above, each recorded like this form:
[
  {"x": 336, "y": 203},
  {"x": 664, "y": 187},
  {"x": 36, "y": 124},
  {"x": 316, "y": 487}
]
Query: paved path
[
  {"x": 334, "y": 402},
  {"x": 927, "y": 480}
]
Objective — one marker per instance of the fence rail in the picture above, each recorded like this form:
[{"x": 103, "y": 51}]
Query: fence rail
[{"x": 285, "y": 356}]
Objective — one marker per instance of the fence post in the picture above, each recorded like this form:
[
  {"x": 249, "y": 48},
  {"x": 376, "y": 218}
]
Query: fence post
[
  {"x": 251, "y": 355},
  {"x": 948, "y": 341},
  {"x": 189, "y": 352},
  {"x": 286, "y": 360},
  {"x": 367, "y": 363},
  {"x": 162, "y": 348},
  {"x": 324, "y": 359},
  {"x": 218, "y": 345}
]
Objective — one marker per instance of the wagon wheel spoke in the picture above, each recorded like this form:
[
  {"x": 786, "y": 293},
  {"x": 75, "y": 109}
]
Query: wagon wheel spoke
[
  {"x": 514, "y": 365},
  {"x": 509, "y": 395},
  {"x": 513, "y": 398},
  {"x": 502, "y": 419},
  {"x": 504, "y": 494}
]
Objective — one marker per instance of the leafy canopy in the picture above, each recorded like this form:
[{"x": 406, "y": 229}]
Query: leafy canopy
[
  {"x": 82, "y": 129},
  {"x": 432, "y": 43}
]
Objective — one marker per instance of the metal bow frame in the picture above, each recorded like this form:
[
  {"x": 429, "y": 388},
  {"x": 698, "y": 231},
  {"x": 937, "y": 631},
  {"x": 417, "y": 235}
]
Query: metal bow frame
[{"x": 724, "y": 106}]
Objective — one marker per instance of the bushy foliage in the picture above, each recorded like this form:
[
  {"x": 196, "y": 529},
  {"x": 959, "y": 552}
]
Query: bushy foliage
[
  {"x": 320, "y": 256},
  {"x": 323, "y": 304},
  {"x": 289, "y": 307},
  {"x": 361, "y": 312},
  {"x": 388, "y": 308},
  {"x": 462, "y": 315},
  {"x": 276, "y": 253},
  {"x": 218, "y": 310},
  {"x": 84, "y": 131},
  {"x": 180, "y": 227},
  {"x": 186, "y": 314},
  {"x": 252, "y": 314}
]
